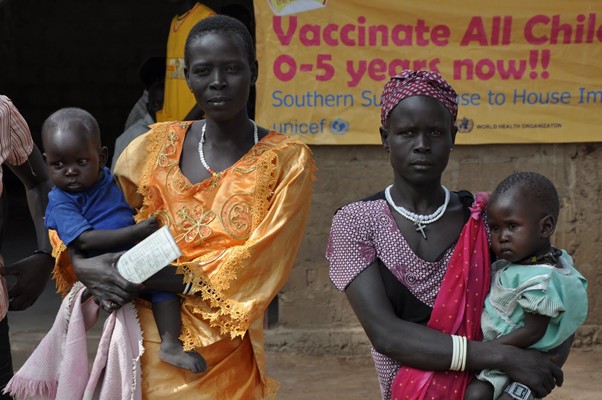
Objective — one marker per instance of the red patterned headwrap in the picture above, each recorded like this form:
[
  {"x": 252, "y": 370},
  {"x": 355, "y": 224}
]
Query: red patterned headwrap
[{"x": 417, "y": 83}]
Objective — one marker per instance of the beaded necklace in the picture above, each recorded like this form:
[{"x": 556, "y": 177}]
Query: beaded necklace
[
  {"x": 419, "y": 220},
  {"x": 550, "y": 258},
  {"x": 202, "y": 141}
]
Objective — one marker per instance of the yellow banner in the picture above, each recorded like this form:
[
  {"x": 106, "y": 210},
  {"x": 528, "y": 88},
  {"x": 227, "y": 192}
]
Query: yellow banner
[{"x": 525, "y": 72}]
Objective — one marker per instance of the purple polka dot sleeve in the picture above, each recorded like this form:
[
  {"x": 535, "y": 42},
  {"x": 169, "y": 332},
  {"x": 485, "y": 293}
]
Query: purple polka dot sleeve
[{"x": 350, "y": 247}]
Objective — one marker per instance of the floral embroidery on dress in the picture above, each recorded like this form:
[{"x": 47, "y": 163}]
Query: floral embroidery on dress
[
  {"x": 178, "y": 182},
  {"x": 168, "y": 150},
  {"x": 195, "y": 224}
]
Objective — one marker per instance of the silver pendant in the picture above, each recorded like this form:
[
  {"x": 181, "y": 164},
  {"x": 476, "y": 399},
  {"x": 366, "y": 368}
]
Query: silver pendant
[{"x": 420, "y": 227}]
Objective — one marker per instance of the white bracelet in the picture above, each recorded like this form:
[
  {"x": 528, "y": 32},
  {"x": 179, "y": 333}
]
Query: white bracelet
[
  {"x": 187, "y": 288},
  {"x": 459, "y": 347},
  {"x": 453, "y": 365},
  {"x": 464, "y": 353}
]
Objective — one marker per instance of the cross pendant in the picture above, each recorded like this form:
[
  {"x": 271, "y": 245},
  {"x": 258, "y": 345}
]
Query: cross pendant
[{"x": 420, "y": 227}]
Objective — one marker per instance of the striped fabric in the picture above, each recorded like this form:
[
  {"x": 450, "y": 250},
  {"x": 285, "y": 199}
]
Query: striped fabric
[
  {"x": 15, "y": 146},
  {"x": 15, "y": 138}
]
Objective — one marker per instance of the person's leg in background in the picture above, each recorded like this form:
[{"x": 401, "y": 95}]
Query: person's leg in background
[{"x": 6, "y": 363}]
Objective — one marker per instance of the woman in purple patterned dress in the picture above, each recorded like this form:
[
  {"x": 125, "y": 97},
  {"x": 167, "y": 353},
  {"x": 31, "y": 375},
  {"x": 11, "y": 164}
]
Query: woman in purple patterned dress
[{"x": 389, "y": 253}]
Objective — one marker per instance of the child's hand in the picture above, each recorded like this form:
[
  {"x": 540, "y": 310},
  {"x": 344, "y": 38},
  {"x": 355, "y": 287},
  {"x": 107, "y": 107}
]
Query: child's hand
[{"x": 147, "y": 226}]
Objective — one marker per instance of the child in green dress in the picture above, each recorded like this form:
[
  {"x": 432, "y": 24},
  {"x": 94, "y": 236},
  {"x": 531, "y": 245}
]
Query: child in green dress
[{"x": 537, "y": 298}]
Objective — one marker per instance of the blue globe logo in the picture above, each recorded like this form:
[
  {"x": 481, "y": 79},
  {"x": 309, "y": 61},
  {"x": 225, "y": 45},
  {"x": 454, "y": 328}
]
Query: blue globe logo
[{"x": 339, "y": 126}]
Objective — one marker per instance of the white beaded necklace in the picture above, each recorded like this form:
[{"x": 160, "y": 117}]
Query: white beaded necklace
[
  {"x": 202, "y": 141},
  {"x": 420, "y": 221}
]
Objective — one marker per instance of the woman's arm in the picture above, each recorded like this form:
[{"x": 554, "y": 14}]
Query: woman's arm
[
  {"x": 99, "y": 275},
  {"x": 32, "y": 273},
  {"x": 400, "y": 340},
  {"x": 34, "y": 178},
  {"x": 418, "y": 346}
]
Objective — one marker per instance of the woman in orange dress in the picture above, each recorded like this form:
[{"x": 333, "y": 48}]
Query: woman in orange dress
[{"x": 236, "y": 198}]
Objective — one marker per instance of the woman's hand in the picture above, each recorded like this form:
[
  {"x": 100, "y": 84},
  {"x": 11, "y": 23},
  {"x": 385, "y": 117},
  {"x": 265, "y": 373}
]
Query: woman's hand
[
  {"x": 31, "y": 274},
  {"x": 534, "y": 369},
  {"x": 110, "y": 290}
]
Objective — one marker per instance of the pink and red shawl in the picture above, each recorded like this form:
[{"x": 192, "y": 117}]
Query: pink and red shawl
[
  {"x": 59, "y": 366},
  {"x": 457, "y": 311}
]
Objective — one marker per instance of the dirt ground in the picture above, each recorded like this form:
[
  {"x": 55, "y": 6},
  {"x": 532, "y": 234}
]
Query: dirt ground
[{"x": 305, "y": 377}]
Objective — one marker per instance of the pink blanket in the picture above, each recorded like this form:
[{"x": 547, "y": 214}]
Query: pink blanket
[
  {"x": 59, "y": 367},
  {"x": 3, "y": 293},
  {"x": 3, "y": 298}
]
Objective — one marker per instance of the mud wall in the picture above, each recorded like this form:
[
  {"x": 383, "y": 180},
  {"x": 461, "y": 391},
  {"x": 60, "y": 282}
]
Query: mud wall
[{"x": 315, "y": 317}]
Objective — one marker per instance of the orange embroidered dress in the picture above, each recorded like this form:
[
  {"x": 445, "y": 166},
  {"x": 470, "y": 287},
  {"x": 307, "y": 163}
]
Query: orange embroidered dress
[{"x": 239, "y": 233}]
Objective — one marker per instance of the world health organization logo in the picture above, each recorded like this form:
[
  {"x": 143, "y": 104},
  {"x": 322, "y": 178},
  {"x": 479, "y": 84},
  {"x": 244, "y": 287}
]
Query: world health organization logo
[
  {"x": 339, "y": 126},
  {"x": 465, "y": 125}
]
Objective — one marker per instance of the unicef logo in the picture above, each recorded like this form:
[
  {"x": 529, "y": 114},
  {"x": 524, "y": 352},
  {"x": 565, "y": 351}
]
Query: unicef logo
[{"x": 339, "y": 126}]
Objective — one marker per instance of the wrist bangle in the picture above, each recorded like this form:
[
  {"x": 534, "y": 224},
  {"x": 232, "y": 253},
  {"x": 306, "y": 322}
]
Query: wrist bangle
[
  {"x": 455, "y": 353},
  {"x": 46, "y": 252},
  {"x": 463, "y": 354},
  {"x": 187, "y": 288},
  {"x": 459, "y": 347}
]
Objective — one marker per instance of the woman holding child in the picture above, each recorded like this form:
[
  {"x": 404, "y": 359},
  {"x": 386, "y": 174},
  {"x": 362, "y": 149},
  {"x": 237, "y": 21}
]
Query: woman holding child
[
  {"x": 414, "y": 263},
  {"x": 236, "y": 198}
]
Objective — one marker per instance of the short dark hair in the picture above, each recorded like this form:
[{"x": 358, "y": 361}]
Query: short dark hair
[
  {"x": 221, "y": 24},
  {"x": 539, "y": 188},
  {"x": 69, "y": 115}
]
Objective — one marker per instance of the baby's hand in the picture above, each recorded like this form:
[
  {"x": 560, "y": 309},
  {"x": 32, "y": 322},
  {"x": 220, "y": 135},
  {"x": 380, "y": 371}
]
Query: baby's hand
[{"x": 147, "y": 226}]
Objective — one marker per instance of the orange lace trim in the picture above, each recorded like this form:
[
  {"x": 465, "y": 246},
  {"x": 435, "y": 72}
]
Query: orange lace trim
[
  {"x": 210, "y": 304},
  {"x": 264, "y": 185},
  {"x": 62, "y": 272}
]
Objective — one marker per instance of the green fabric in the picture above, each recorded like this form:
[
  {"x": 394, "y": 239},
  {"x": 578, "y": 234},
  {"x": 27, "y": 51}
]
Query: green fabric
[{"x": 558, "y": 292}]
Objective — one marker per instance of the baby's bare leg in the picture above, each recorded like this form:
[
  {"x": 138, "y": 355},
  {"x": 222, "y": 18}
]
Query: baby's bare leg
[{"x": 169, "y": 324}]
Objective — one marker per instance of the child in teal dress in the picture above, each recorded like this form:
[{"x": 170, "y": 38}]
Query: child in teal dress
[{"x": 537, "y": 298}]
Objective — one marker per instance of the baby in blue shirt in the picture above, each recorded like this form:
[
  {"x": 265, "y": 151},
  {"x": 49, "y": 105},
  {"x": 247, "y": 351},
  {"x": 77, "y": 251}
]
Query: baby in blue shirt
[{"x": 89, "y": 212}]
